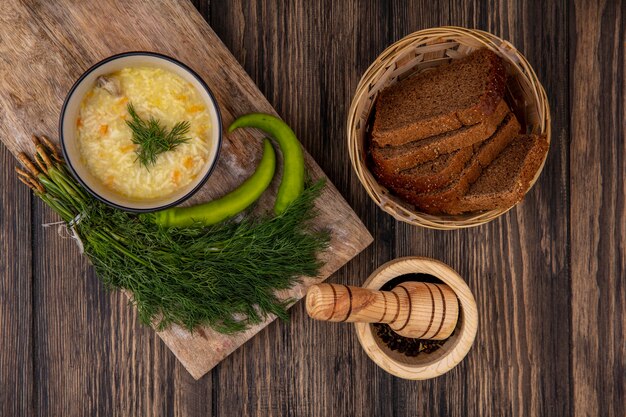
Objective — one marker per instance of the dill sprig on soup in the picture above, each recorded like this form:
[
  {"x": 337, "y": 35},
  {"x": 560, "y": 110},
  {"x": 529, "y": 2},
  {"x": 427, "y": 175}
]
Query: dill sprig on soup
[{"x": 110, "y": 148}]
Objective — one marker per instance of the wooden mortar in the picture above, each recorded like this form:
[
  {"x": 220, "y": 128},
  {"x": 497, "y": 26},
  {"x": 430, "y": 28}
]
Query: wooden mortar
[{"x": 453, "y": 350}]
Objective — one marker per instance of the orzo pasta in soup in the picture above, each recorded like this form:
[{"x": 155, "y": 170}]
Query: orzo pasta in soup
[{"x": 105, "y": 139}]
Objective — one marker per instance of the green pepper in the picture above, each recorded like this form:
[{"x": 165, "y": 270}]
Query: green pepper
[
  {"x": 229, "y": 205},
  {"x": 292, "y": 182}
]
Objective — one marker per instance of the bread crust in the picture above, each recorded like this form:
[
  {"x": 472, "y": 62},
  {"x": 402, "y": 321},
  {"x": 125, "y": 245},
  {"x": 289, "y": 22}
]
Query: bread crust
[
  {"x": 444, "y": 200},
  {"x": 504, "y": 198},
  {"x": 390, "y": 161},
  {"x": 433, "y": 174},
  {"x": 386, "y": 134}
]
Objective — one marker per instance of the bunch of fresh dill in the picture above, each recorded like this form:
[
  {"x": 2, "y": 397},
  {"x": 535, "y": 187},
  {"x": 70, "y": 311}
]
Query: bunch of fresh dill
[{"x": 224, "y": 276}]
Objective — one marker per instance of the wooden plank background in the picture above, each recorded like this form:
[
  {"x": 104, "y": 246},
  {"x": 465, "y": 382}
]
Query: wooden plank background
[{"x": 548, "y": 276}]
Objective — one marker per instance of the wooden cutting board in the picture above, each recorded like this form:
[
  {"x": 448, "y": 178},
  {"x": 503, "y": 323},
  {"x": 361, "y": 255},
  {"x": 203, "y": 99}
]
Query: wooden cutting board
[{"x": 44, "y": 48}]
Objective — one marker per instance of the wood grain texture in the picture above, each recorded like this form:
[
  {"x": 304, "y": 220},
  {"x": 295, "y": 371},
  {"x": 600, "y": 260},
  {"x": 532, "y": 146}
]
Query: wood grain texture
[
  {"x": 47, "y": 33},
  {"x": 16, "y": 291},
  {"x": 412, "y": 309},
  {"x": 598, "y": 209},
  {"x": 548, "y": 277}
]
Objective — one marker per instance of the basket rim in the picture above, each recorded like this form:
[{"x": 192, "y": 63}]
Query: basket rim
[{"x": 385, "y": 199}]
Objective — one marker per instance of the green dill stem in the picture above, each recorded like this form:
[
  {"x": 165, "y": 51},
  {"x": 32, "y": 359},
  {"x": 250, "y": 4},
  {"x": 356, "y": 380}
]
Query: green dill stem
[
  {"x": 119, "y": 247},
  {"x": 64, "y": 188},
  {"x": 65, "y": 214},
  {"x": 58, "y": 190},
  {"x": 60, "y": 175}
]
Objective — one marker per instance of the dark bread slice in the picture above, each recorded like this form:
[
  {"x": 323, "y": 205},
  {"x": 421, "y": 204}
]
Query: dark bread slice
[
  {"x": 391, "y": 160},
  {"x": 507, "y": 179},
  {"x": 461, "y": 93},
  {"x": 430, "y": 175},
  {"x": 438, "y": 201}
]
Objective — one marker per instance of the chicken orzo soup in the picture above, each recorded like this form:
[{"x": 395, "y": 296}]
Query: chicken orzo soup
[{"x": 105, "y": 140}]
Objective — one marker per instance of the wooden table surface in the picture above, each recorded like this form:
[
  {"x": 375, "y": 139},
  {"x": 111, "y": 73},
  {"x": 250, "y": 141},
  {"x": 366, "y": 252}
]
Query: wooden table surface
[{"x": 548, "y": 276}]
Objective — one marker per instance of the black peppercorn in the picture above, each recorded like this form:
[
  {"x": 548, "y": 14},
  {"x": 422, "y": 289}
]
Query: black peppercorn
[{"x": 406, "y": 345}]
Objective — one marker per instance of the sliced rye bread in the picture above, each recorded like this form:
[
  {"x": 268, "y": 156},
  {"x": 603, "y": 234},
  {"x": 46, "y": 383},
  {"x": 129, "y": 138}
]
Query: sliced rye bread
[
  {"x": 507, "y": 179},
  {"x": 390, "y": 160},
  {"x": 484, "y": 153},
  {"x": 430, "y": 175},
  {"x": 461, "y": 93}
]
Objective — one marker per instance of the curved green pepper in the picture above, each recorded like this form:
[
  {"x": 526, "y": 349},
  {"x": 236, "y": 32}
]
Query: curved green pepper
[
  {"x": 292, "y": 183},
  {"x": 229, "y": 205}
]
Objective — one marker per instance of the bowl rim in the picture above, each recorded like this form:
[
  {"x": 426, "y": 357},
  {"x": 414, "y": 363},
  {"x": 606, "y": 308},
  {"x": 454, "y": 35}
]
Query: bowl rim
[
  {"x": 385, "y": 199},
  {"x": 185, "y": 67}
]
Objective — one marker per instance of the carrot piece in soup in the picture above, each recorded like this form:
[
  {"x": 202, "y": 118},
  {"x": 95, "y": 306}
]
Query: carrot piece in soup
[
  {"x": 195, "y": 108},
  {"x": 176, "y": 176}
]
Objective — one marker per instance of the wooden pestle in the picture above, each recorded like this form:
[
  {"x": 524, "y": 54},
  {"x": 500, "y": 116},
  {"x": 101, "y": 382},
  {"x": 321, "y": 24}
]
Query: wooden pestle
[{"x": 412, "y": 309}]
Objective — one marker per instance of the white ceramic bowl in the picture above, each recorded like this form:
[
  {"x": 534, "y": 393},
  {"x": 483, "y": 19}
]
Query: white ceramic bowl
[{"x": 68, "y": 131}]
